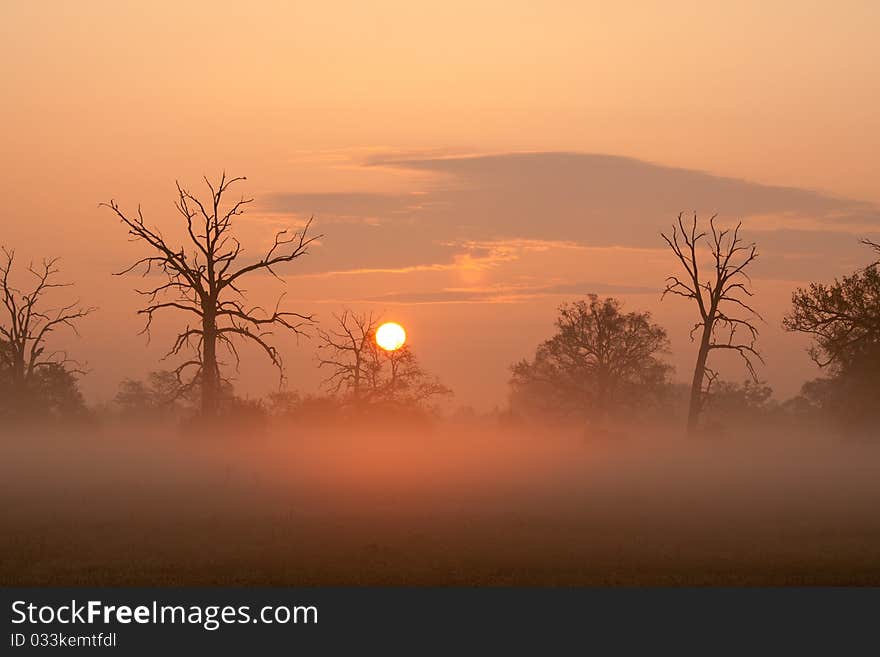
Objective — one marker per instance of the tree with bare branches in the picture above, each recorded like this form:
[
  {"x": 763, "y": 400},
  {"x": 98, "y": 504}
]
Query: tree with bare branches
[
  {"x": 28, "y": 322},
  {"x": 362, "y": 373},
  {"x": 346, "y": 350},
  {"x": 403, "y": 382},
  {"x": 718, "y": 292},
  {"x": 203, "y": 281}
]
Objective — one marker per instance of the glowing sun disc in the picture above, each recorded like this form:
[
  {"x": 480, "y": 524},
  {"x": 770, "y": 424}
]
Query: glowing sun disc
[{"x": 390, "y": 336}]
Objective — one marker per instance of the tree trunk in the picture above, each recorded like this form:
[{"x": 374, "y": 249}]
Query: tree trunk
[
  {"x": 696, "y": 400},
  {"x": 210, "y": 370},
  {"x": 18, "y": 399},
  {"x": 19, "y": 371},
  {"x": 602, "y": 396},
  {"x": 18, "y": 394},
  {"x": 357, "y": 378}
]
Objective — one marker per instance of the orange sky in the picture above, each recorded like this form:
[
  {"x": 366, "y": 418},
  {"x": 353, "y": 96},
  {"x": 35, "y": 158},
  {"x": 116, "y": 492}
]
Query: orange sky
[{"x": 371, "y": 115}]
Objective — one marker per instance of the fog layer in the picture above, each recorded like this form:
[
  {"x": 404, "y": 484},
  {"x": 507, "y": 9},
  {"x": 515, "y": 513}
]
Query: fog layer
[{"x": 451, "y": 504}]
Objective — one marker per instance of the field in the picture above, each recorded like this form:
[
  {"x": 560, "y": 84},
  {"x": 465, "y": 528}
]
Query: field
[{"x": 451, "y": 505}]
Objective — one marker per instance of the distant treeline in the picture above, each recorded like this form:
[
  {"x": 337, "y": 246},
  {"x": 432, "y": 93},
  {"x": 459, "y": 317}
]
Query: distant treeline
[{"x": 601, "y": 365}]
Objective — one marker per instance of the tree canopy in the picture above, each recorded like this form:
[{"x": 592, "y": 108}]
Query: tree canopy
[
  {"x": 600, "y": 360},
  {"x": 843, "y": 320},
  {"x": 842, "y": 317}
]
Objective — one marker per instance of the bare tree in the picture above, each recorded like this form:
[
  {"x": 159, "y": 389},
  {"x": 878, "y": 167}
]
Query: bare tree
[
  {"x": 203, "y": 281},
  {"x": 347, "y": 350},
  {"x": 872, "y": 245},
  {"x": 718, "y": 293},
  {"x": 406, "y": 383},
  {"x": 365, "y": 373},
  {"x": 28, "y": 324}
]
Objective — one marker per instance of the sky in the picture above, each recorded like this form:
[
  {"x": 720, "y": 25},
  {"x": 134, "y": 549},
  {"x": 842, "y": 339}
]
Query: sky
[{"x": 470, "y": 165}]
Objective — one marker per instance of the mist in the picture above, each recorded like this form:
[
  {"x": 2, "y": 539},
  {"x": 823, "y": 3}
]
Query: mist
[{"x": 453, "y": 502}]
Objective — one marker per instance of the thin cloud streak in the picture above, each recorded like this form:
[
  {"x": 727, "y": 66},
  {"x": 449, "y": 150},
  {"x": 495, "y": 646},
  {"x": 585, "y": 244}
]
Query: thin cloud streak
[{"x": 510, "y": 294}]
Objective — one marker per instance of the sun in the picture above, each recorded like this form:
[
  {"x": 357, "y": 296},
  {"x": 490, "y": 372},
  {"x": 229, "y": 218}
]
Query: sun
[{"x": 390, "y": 336}]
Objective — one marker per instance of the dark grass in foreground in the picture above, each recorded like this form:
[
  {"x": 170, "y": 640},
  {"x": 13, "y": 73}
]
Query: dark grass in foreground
[{"x": 451, "y": 506}]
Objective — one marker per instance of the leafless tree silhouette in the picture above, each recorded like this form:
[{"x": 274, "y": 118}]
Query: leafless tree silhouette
[
  {"x": 724, "y": 286},
  {"x": 204, "y": 281},
  {"x": 347, "y": 350},
  {"x": 873, "y": 245},
  {"x": 406, "y": 382},
  {"x": 27, "y": 324},
  {"x": 365, "y": 373}
]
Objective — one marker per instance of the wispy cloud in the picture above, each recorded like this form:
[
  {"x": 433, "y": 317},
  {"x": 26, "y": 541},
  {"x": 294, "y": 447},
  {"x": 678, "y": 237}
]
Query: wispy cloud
[
  {"x": 467, "y": 255},
  {"x": 510, "y": 293}
]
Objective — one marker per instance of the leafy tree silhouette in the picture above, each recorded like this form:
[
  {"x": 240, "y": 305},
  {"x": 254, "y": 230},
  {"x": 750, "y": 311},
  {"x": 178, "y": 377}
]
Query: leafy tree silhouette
[
  {"x": 600, "y": 360},
  {"x": 843, "y": 320}
]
